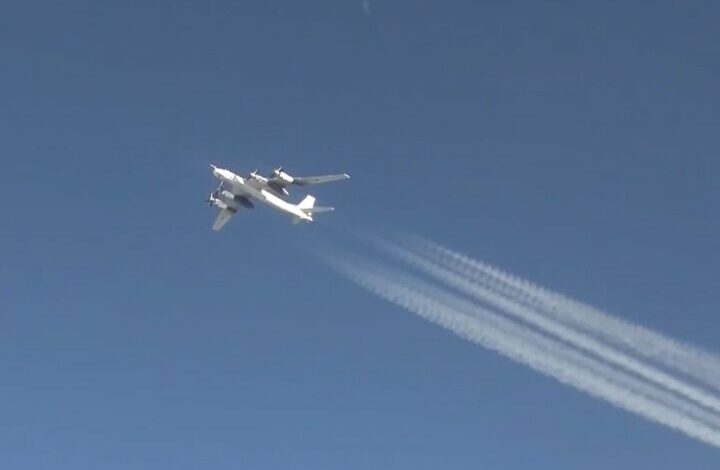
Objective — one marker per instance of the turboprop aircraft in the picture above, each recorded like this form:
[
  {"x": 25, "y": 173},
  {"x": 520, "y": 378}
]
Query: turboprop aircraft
[{"x": 236, "y": 192}]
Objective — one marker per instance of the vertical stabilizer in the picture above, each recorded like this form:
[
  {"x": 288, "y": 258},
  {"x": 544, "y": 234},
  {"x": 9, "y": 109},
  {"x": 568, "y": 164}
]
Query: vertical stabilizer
[{"x": 306, "y": 203}]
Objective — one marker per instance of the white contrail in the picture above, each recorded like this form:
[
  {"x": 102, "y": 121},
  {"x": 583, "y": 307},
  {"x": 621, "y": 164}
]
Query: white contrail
[
  {"x": 552, "y": 327},
  {"x": 687, "y": 359},
  {"x": 549, "y": 357}
]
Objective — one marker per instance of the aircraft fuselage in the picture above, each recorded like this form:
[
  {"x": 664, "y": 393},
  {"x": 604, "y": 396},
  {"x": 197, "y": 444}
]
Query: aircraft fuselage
[{"x": 248, "y": 188}]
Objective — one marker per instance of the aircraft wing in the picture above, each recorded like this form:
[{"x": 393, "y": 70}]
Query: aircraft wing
[
  {"x": 308, "y": 180},
  {"x": 223, "y": 216}
]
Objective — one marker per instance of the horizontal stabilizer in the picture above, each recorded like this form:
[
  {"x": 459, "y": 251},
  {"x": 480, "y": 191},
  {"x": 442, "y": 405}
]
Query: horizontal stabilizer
[{"x": 318, "y": 209}]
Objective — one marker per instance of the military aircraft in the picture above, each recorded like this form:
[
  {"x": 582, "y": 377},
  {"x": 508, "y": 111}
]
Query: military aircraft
[{"x": 236, "y": 192}]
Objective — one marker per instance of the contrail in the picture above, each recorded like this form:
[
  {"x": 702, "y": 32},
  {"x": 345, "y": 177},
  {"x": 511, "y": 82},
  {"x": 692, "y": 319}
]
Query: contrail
[
  {"x": 366, "y": 7},
  {"x": 547, "y": 356},
  {"x": 686, "y": 359},
  {"x": 552, "y": 327}
]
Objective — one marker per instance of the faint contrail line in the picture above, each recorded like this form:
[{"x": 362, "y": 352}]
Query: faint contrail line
[
  {"x": 686, "y": 359},
  {"x": 550, "y": 357},
  {"x": 552, "y": 327}
]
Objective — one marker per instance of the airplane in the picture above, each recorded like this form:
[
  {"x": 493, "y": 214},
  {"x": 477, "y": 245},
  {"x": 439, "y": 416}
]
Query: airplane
[{"x": 236, "y": 192}]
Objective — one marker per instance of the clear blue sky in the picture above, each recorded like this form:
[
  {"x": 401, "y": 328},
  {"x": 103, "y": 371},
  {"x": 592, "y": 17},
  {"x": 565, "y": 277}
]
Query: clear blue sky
[{"x": 575, "y": 144}]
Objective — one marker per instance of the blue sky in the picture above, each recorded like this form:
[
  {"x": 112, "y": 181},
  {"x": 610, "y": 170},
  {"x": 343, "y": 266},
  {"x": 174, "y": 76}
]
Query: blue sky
[{"x": 573, "y": 144}]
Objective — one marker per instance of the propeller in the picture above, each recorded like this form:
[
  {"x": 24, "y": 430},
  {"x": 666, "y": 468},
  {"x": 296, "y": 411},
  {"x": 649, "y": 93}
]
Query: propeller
[{"x": 213, "y": 195}]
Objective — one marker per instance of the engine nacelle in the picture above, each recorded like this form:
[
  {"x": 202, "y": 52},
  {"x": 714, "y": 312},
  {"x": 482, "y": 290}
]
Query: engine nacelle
[
  {"x": 242, "y": 200},
  {"x": 215, "y": 202},
  {"x": 278, "y": 173},
  {"x": 254, "y": 175},
  {"x": 227, "y": 194}
]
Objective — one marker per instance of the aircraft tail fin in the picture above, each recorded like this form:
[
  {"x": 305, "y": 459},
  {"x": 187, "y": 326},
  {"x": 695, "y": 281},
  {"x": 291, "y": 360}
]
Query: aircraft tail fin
[{"x": 307, "y": 204}]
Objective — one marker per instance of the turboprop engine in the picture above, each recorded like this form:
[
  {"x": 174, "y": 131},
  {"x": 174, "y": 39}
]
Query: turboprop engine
[
  {"x": 245, "y": 202},
  {"x": 216, "y": 202},
  {"x": 280, "y": 174},
  {"x": 257, "y": 176}
]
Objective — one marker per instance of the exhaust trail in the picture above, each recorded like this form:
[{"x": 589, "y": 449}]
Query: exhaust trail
[
  {"x": 554, "y": 328},
  {"x": 686, "y": 359},
  {"x": 547, "y": 356}
]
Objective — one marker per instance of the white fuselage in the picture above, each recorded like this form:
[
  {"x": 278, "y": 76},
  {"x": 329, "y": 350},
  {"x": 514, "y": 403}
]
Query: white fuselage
[{"x": 248, "y": 188}]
